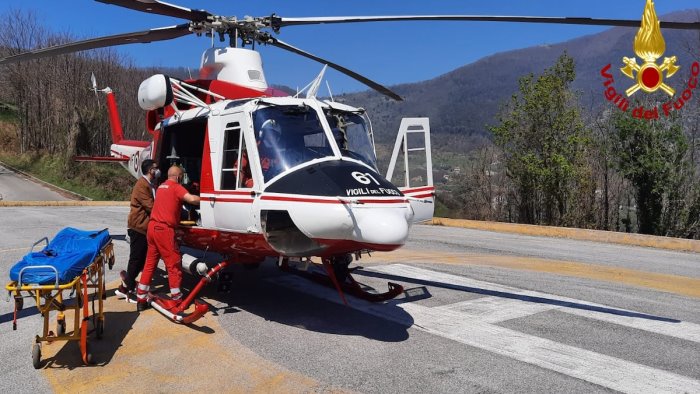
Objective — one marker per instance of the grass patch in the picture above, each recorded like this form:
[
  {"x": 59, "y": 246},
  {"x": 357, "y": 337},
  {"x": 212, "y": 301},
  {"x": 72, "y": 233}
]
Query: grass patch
[
  {"x": 98, "y": 181},
  {"x": 8, "y": 113},
  {"x": 441, "y": 210}
]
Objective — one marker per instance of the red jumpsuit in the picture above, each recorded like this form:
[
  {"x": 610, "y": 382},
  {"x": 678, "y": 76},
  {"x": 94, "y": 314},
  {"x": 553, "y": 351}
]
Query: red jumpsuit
[{"x": 165, "y": 216}]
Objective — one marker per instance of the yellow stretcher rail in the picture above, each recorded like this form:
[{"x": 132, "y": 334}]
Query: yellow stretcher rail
[{"x": 50, "y": 298}]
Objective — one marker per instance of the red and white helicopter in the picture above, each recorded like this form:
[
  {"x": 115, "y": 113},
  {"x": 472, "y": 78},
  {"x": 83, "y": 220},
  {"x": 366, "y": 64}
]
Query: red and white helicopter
[{"x": 281, "y": 177}]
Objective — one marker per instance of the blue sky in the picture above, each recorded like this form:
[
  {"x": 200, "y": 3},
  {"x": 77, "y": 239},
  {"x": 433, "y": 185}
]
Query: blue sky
[{"x": 387, "y": 52}]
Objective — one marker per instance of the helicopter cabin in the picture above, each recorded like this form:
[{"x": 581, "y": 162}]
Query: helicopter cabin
[{"x": 236, "y": 149}]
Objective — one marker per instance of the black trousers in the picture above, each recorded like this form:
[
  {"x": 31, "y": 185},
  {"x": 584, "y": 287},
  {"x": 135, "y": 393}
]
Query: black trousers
[{"x": 137, "y": 258}]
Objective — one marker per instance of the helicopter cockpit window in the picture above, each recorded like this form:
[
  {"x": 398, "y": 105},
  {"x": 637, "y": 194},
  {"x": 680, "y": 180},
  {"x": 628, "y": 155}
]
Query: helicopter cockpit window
[
  {"x": 232, "y": 141},
  {"x": 351, "y": 135},
  {"x": 235, "y": 170},
  {"x": 287, "y": 136}
]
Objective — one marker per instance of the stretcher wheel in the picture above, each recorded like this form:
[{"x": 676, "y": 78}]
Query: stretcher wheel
[
  {"x": 100, "y": 328},
  {"x": 36, "y": 356},
  {"x": 61, "y": 328}
]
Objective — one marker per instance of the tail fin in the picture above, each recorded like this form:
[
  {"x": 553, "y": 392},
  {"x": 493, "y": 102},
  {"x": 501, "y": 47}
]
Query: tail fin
[
  {"x": 127, "y": 152},
  {"x": 114, "y": 121}
]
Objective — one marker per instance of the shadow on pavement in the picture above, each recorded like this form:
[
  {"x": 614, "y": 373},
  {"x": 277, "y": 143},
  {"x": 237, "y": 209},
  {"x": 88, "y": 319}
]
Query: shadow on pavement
[
  {"x": 521, "y": 297},
  {"x": 117, "y": 326},
  {"x": 256, "y": 292}
]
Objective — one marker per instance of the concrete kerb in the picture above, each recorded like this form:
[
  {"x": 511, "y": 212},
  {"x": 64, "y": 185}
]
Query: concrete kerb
[{"x": 679, "y": 244}]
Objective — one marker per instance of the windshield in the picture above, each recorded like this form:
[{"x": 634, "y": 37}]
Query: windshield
[
  {"x": 287, "y": 136},
  {"x": 350, "y": 133}
]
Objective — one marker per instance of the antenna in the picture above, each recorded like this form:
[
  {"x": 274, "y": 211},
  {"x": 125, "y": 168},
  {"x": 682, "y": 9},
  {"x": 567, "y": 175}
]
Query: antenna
[
  {"x": 329, "y": 90},
  {"x": 316, "y": 83}
]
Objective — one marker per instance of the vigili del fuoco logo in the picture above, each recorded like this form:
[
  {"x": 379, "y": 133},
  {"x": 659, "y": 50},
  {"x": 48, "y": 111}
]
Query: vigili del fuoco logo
[{"x": 649, "y": 76}]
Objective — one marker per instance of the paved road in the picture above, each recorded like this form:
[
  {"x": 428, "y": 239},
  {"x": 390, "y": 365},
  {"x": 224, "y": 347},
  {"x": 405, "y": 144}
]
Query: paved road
[
  {"x": 484, "y": 312},
  {"x": 14, "y": 187}
]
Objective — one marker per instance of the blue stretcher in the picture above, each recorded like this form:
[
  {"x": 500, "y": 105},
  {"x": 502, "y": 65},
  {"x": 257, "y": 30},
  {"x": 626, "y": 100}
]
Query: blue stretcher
[
  {"x": 74, "y": 261},
  {"x": 62, "y": 259}
]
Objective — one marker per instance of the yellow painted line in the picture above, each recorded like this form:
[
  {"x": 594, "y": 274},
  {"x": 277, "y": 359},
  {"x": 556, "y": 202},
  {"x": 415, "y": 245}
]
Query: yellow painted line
[
  {"x": 146, "y": 352},
  {"x": 64, "y": 203},
  {"x": 688, "y": 245},
  {"x": 664, "y": 282}
]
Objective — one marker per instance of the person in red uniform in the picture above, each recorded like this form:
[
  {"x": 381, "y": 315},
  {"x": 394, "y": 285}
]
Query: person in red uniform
[{"x": 165, "y": 217}]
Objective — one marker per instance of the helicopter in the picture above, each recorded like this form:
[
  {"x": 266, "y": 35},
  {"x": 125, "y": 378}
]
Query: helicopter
[{"x": 280, "y": 177}]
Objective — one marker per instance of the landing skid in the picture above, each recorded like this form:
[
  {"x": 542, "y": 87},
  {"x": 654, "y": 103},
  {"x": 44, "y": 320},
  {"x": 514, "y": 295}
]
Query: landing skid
[
  {"x": 346, "y": 286},
  {"x": 175, "y": 309}
]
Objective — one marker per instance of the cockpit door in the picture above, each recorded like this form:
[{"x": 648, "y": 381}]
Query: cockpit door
[
  {"x": 233, "y": 180},
  {"x": 413, "y": 142}
]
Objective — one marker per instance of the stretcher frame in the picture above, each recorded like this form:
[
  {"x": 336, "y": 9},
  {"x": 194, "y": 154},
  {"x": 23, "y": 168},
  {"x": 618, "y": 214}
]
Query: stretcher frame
[{"x": 51, "y": 298}]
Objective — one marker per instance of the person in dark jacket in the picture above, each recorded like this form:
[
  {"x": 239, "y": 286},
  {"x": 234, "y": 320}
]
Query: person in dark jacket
[{"x": 142, "y": 197}]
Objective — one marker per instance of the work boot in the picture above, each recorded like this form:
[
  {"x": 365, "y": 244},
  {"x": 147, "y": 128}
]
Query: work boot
[
  {"x": 131, "y": 298},
  {"x": 122, "y": 292},
  {"x": 141, "y": 306}
]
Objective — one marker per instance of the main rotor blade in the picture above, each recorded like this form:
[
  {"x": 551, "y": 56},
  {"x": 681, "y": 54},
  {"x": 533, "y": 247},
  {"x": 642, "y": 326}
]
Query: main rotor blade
[
  {"x": 374, "y": 85},
  {"x": 161, "y": 8},
  {"x": 281, "y": 22},
  {"x": 163, "y": 33}
]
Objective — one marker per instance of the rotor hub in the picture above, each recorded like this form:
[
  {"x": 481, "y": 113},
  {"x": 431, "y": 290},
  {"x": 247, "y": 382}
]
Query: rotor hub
[{"x": 248, "y": 29}]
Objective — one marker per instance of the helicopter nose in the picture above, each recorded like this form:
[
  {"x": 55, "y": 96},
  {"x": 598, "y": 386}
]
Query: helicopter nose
[
  {"x": 377, "y": 226},
  {"x": 339, "y": 205}
]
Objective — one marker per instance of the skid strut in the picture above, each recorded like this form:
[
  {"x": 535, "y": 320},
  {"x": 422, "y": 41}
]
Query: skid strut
[
  {"x": 175, "y": 309},
  {"x": 346, "y": 286}
]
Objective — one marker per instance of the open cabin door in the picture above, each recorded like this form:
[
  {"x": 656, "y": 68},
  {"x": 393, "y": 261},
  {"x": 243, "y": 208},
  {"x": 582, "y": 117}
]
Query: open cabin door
[
  {"x": 230, "y": 204},
  {"x": 182, "y": 144},
  {"x": 413, "y": 142}
]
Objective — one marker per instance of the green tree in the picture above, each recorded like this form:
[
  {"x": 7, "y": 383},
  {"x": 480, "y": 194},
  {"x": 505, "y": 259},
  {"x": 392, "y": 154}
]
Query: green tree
[
  {"x": 545, "y": 145},
  {"x": 651, "y": 155}
]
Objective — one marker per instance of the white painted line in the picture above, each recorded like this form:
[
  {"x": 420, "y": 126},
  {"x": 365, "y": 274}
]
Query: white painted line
[
  {"x": 681, "y": 330},
  {"x": 606, "y": 371},
  {"x": 495, "y": 310},
  {"x": 641, "y": 321},
  {"x": 452, "y": 323}
]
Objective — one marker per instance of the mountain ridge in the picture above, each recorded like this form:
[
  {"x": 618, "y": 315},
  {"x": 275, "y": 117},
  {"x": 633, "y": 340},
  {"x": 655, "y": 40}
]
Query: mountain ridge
[{"x": 462, "y": 102}]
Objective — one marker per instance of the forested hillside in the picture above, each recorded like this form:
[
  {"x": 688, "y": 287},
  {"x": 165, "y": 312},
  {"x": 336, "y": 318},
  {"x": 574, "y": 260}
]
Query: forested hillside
[{"x": 463, "y": 102}]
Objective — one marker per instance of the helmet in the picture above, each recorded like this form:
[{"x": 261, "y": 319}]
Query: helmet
[{"x": 270, "y": 133}]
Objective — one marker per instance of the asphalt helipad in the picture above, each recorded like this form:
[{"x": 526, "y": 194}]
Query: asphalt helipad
[{"x": 483, "y": 312}]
